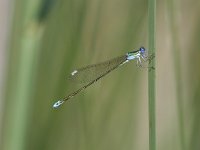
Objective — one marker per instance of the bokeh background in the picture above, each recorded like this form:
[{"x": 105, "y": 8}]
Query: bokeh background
[{"x": 42, "y": 41}]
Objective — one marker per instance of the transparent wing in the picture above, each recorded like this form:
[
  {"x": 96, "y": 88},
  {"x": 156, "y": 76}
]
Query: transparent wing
[{"x": 91, "y": 72}]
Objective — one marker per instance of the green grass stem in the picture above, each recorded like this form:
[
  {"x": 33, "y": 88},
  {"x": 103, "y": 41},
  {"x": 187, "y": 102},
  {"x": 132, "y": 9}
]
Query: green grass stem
[
  {"x": 151, "y": 74},
  {"x": 20, "y": 95}
]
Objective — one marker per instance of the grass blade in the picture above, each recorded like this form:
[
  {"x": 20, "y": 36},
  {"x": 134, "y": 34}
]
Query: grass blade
[{"x": 151, "y": 74}]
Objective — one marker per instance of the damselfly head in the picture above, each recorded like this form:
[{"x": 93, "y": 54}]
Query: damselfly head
[{"x": 143, "y": 51}]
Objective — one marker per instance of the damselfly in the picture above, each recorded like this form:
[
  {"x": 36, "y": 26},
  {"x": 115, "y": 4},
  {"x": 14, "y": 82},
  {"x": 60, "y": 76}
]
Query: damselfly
[{"x": 92, "y": 73}]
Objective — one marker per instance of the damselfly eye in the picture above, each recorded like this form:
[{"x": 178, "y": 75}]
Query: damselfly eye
[{"x": 142, "y": 50}]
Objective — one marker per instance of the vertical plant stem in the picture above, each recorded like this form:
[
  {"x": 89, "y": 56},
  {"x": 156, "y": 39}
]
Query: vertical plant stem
[
  {"x": 151, "y": 74},
  {"x": 21, "y": 93}
]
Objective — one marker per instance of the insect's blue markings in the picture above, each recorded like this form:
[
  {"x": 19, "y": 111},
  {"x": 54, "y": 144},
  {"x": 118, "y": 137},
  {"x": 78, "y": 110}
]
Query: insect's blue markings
[{"x": 58, "y": 103}]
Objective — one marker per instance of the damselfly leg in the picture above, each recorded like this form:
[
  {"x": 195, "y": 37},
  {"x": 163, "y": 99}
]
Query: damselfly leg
[{"x": 142, "y": 59}]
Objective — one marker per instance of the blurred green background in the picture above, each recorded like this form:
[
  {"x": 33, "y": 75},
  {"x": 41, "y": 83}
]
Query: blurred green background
[{"x": 42, "y": 41}]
